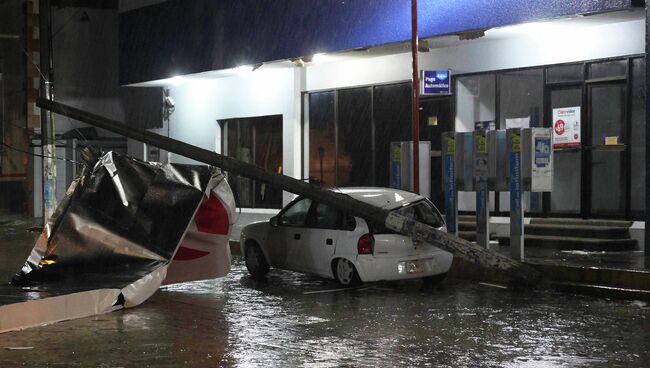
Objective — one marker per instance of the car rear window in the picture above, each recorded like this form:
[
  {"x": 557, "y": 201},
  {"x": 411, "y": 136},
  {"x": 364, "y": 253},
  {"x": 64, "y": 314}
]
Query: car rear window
[{"x": 422, "y": 211}]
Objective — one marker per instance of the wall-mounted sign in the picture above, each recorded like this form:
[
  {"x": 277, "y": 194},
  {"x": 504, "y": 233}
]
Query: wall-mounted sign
[
  {"x": 435, "y": 82},
  {"x": 566, "y": 127}
]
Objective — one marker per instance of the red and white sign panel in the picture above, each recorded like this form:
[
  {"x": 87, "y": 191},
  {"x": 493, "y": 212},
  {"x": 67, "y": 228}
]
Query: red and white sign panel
[{"x": 566, "y": 127}]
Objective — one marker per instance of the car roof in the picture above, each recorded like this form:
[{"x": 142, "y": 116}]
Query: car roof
[{"x": 386, "y": 198}]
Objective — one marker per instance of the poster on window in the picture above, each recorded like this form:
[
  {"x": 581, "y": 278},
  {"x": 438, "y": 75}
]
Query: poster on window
[{"x": 566, "y": 127}]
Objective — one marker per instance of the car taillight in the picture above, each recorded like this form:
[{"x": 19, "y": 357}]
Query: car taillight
[{"x": 366, "y": 244}]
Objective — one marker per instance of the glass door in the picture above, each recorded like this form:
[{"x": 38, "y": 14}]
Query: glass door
[
  {"x": 606, "y": 159},
  {"x": 565, "y": 113}
]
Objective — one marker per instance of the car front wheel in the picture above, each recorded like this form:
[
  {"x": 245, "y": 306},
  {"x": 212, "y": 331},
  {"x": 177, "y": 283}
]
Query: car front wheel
[
  {"x": 345, "y": 273},
  {"x": 256, "y": 263}
]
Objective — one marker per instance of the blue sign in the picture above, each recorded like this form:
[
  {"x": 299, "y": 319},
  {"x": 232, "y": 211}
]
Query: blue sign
[{"x": 436, "y": 82}]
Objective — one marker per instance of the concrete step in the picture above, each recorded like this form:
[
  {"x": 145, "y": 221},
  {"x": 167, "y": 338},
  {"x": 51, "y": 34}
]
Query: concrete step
[
  {"x": 578, "y": 231},
  {"x": 574, "y": 243},
  {"x": 581, "y": 222},
  {"x": 467, "y": 235},
  {"x": 467, "y": 226},
  {"x": 594, "y": 276}
]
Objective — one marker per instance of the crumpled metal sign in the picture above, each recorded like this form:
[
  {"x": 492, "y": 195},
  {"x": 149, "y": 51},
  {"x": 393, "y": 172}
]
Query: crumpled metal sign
[{"x": 124, "y": 228}]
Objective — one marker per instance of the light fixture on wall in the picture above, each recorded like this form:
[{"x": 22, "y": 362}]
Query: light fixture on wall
[{"x": 169, "y": 105}]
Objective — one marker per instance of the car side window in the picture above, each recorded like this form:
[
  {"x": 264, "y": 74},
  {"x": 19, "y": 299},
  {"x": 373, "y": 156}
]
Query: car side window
[
  {"x": 326, "y": 217},
  {"x": 296, "y": 215}
]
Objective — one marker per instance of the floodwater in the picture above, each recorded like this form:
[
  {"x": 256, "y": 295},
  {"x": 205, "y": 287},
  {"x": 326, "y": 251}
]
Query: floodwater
[{"x": 294, "y": 320}]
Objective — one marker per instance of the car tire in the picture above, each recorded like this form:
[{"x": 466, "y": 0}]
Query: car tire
[
  {"x": 345, "y": 272},
  {"x": 434, "y": 280},
  {"x": 256, "y": 263}
]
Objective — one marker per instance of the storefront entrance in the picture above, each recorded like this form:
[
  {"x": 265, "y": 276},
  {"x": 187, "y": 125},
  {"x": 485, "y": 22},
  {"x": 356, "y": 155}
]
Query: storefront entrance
[
  {"x": 597, "y": 110},
  {"x": 592, "y": 151}
]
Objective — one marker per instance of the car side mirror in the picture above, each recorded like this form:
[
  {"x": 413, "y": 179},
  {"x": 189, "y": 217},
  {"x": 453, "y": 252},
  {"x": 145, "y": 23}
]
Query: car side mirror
[{"x": 273, "y": 221}]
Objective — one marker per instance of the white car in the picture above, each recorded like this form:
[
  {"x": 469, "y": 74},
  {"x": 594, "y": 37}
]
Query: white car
[{"x": 314, "y": 238}]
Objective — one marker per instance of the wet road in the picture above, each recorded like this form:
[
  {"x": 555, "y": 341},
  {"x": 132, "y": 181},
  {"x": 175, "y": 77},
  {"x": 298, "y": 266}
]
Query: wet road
[
  {"x": 290, "y": 320},
  {"x": 297, "y": 320}
]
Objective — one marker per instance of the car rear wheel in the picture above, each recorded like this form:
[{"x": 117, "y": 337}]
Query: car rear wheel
[
  {"x": 345, "y": 273},
  {"x": 256, "y": 263}
]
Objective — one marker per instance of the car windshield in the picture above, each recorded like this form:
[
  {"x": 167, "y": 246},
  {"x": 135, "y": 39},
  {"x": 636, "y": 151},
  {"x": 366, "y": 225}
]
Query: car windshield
[{"x": 422, "y": 211}]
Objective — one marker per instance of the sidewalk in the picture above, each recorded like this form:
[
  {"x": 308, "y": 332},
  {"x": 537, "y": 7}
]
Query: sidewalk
[{"x": 617, "y": 275}]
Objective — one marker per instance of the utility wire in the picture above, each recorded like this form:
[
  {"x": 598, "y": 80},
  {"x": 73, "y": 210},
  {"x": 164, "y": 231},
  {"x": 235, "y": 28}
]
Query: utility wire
[{"x": 42, "y": 156}]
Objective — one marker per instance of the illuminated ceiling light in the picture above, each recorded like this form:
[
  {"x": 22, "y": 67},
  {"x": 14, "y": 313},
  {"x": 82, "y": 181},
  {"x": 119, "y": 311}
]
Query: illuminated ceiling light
[
  {"x": 318, "y": 58},
  {"x": 176, "y": 80},
  {"x": 243, "y": 69}
]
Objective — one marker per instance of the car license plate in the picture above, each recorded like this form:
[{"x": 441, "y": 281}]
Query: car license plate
[{"x": 410, "y": 267}]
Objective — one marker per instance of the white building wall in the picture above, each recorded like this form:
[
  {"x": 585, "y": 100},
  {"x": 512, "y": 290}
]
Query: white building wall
[
  {"x": 274, "y": 89},
  {"x": 525, "y": 47},
  {"x": 200, "y": 103}
]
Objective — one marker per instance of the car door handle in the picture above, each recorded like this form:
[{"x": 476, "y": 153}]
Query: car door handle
[
  {"x": 329, "y": 241},
  {"x": 296, "y": 236}
]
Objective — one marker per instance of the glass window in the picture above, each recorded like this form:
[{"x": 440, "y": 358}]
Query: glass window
[
  {"x": 475, "y": 102},
  {"x": 422, "y": 211},
  {"x": 256, "y": 141},
  {"x": 521, "y": 96},
  {"x": 565, "y": 197},
  {"x": 637, "y": 138},
  {"x": 355, "y": 161},
  {"x": 322, "y": 141},
  {"x": 326, "y": 217},
  {"x": 608, "y": 183},
  {"x": 616, "y": 68},
  {"x": 392, "y": 117},
  {"x": 475, "y": 109},
  {"x": 565, "y": 73},
  {"x": 296, "y": 214}
]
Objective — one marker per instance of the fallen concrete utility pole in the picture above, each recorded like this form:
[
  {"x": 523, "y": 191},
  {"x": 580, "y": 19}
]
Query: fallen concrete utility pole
[{"x": 519, "y": 272}]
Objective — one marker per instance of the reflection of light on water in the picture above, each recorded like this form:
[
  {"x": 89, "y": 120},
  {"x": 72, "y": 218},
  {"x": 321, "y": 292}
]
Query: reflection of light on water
[
  {"x": 285, "y": 322},
  {"x": 236, "y": 321}
]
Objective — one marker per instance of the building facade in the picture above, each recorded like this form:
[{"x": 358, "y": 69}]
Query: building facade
[{"x": 322, "y": 92}]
